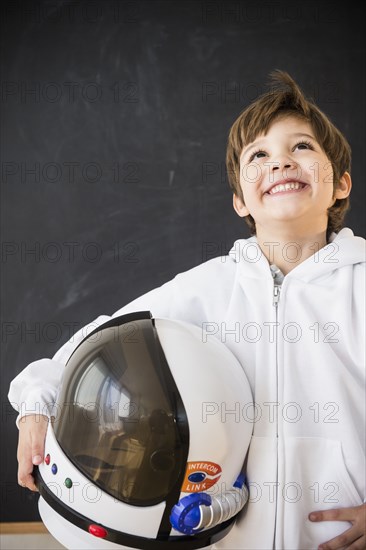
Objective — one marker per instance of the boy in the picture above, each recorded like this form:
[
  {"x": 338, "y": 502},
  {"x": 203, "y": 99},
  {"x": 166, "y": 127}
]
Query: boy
[{"x": 289, "y": 302}]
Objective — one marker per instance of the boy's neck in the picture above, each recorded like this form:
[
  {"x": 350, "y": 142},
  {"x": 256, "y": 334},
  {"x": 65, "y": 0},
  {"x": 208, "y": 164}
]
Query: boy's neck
[{"x": 288, "y": 250}]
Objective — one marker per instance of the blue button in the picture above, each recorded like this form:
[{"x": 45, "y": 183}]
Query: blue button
[{"x": 197, "y": 477}]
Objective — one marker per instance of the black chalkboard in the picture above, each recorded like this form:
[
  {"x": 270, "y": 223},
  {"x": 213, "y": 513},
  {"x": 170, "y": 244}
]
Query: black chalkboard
[{"x": 115, "y": 117}]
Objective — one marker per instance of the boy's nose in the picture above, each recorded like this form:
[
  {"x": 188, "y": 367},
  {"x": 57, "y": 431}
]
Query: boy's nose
[{"x": 284, "y": 163}]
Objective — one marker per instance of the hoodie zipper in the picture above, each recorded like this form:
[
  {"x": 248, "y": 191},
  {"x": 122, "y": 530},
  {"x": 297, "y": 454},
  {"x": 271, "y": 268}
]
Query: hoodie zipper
[
  {"x": 276, "y": 296},
  {"x": 276, "y": 299}
]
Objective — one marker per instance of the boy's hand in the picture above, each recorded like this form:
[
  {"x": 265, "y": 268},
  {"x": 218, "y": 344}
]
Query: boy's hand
[
  {"x": 352, "y": 539},
  {"x": 32, "y": 434}
]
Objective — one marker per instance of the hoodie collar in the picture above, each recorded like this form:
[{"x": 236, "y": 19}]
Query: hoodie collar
[{"x": 343, "y": 249}]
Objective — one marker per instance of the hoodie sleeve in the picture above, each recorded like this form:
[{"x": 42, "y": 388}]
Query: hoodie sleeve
[{"x": 34, "y": 389}]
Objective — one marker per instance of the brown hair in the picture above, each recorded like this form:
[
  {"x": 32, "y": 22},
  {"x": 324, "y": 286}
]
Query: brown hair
[{"x": 286, "y": 98}]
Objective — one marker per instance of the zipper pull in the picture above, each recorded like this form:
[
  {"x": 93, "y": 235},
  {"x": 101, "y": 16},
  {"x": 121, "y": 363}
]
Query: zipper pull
[{"x": 276, "y": 295}]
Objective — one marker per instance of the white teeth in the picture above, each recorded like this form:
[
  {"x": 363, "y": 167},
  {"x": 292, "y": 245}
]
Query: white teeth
[{"x": 285, "y": 187}]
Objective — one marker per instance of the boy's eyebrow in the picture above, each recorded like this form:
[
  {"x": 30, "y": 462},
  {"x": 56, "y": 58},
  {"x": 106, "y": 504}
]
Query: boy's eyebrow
[{"x": 256, "y": 144}]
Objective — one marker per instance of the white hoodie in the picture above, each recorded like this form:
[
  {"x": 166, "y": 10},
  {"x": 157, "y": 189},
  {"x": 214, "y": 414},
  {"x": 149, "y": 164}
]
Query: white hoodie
[{"x": 304, "y": 355}]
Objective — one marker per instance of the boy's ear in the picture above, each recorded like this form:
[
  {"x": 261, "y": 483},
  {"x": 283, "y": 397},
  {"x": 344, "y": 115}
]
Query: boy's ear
[
  {"x": 344, "y": 187},
  {"x": 239, "y": 206}
]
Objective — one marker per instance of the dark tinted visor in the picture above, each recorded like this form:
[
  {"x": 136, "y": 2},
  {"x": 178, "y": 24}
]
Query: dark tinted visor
[{"x": 121, "y": 419}]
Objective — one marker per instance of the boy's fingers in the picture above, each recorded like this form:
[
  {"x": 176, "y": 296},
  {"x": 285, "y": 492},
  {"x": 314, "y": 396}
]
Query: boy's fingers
[
  {"x": 25, "y": 466},
  {"x": 31, "y": 449},
  {"x": 38, "y": 434},
  {"x": 27, "y": 482},
  {"x": 25, "y": 469},
  {"x": 337, "y": 514},
  {"x": 37, "y": 451}
]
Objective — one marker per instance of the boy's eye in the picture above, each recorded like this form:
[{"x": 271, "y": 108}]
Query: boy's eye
[
  {"x": 257, "y": 154},
  {"x": 304, "y": 145}
]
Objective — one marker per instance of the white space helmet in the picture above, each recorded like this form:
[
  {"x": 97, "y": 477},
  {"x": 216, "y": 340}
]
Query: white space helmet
[{"x": 147, "y": 445}]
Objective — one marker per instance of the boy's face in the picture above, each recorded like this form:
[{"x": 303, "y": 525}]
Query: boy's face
[{"x": 285, "y": 177}]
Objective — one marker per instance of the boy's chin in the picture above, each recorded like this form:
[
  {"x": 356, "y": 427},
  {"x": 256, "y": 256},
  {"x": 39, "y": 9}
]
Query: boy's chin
[{"x": 288, "y": 223}]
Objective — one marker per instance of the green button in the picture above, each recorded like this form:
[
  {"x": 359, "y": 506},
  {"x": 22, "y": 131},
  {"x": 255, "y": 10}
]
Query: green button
[{"x": 68, "y": 483}]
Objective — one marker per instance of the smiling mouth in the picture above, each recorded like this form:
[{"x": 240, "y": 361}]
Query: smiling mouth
[{"x": 290, "y": 187}]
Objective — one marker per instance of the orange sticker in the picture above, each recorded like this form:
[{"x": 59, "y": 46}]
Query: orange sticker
[{"x": 200, "y": 476}]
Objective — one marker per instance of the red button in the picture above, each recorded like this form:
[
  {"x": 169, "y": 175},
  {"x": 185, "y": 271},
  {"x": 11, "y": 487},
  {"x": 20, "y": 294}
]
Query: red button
[
  {"x": 97, "y": 531},
  {"x": 47, "y": 459}
]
